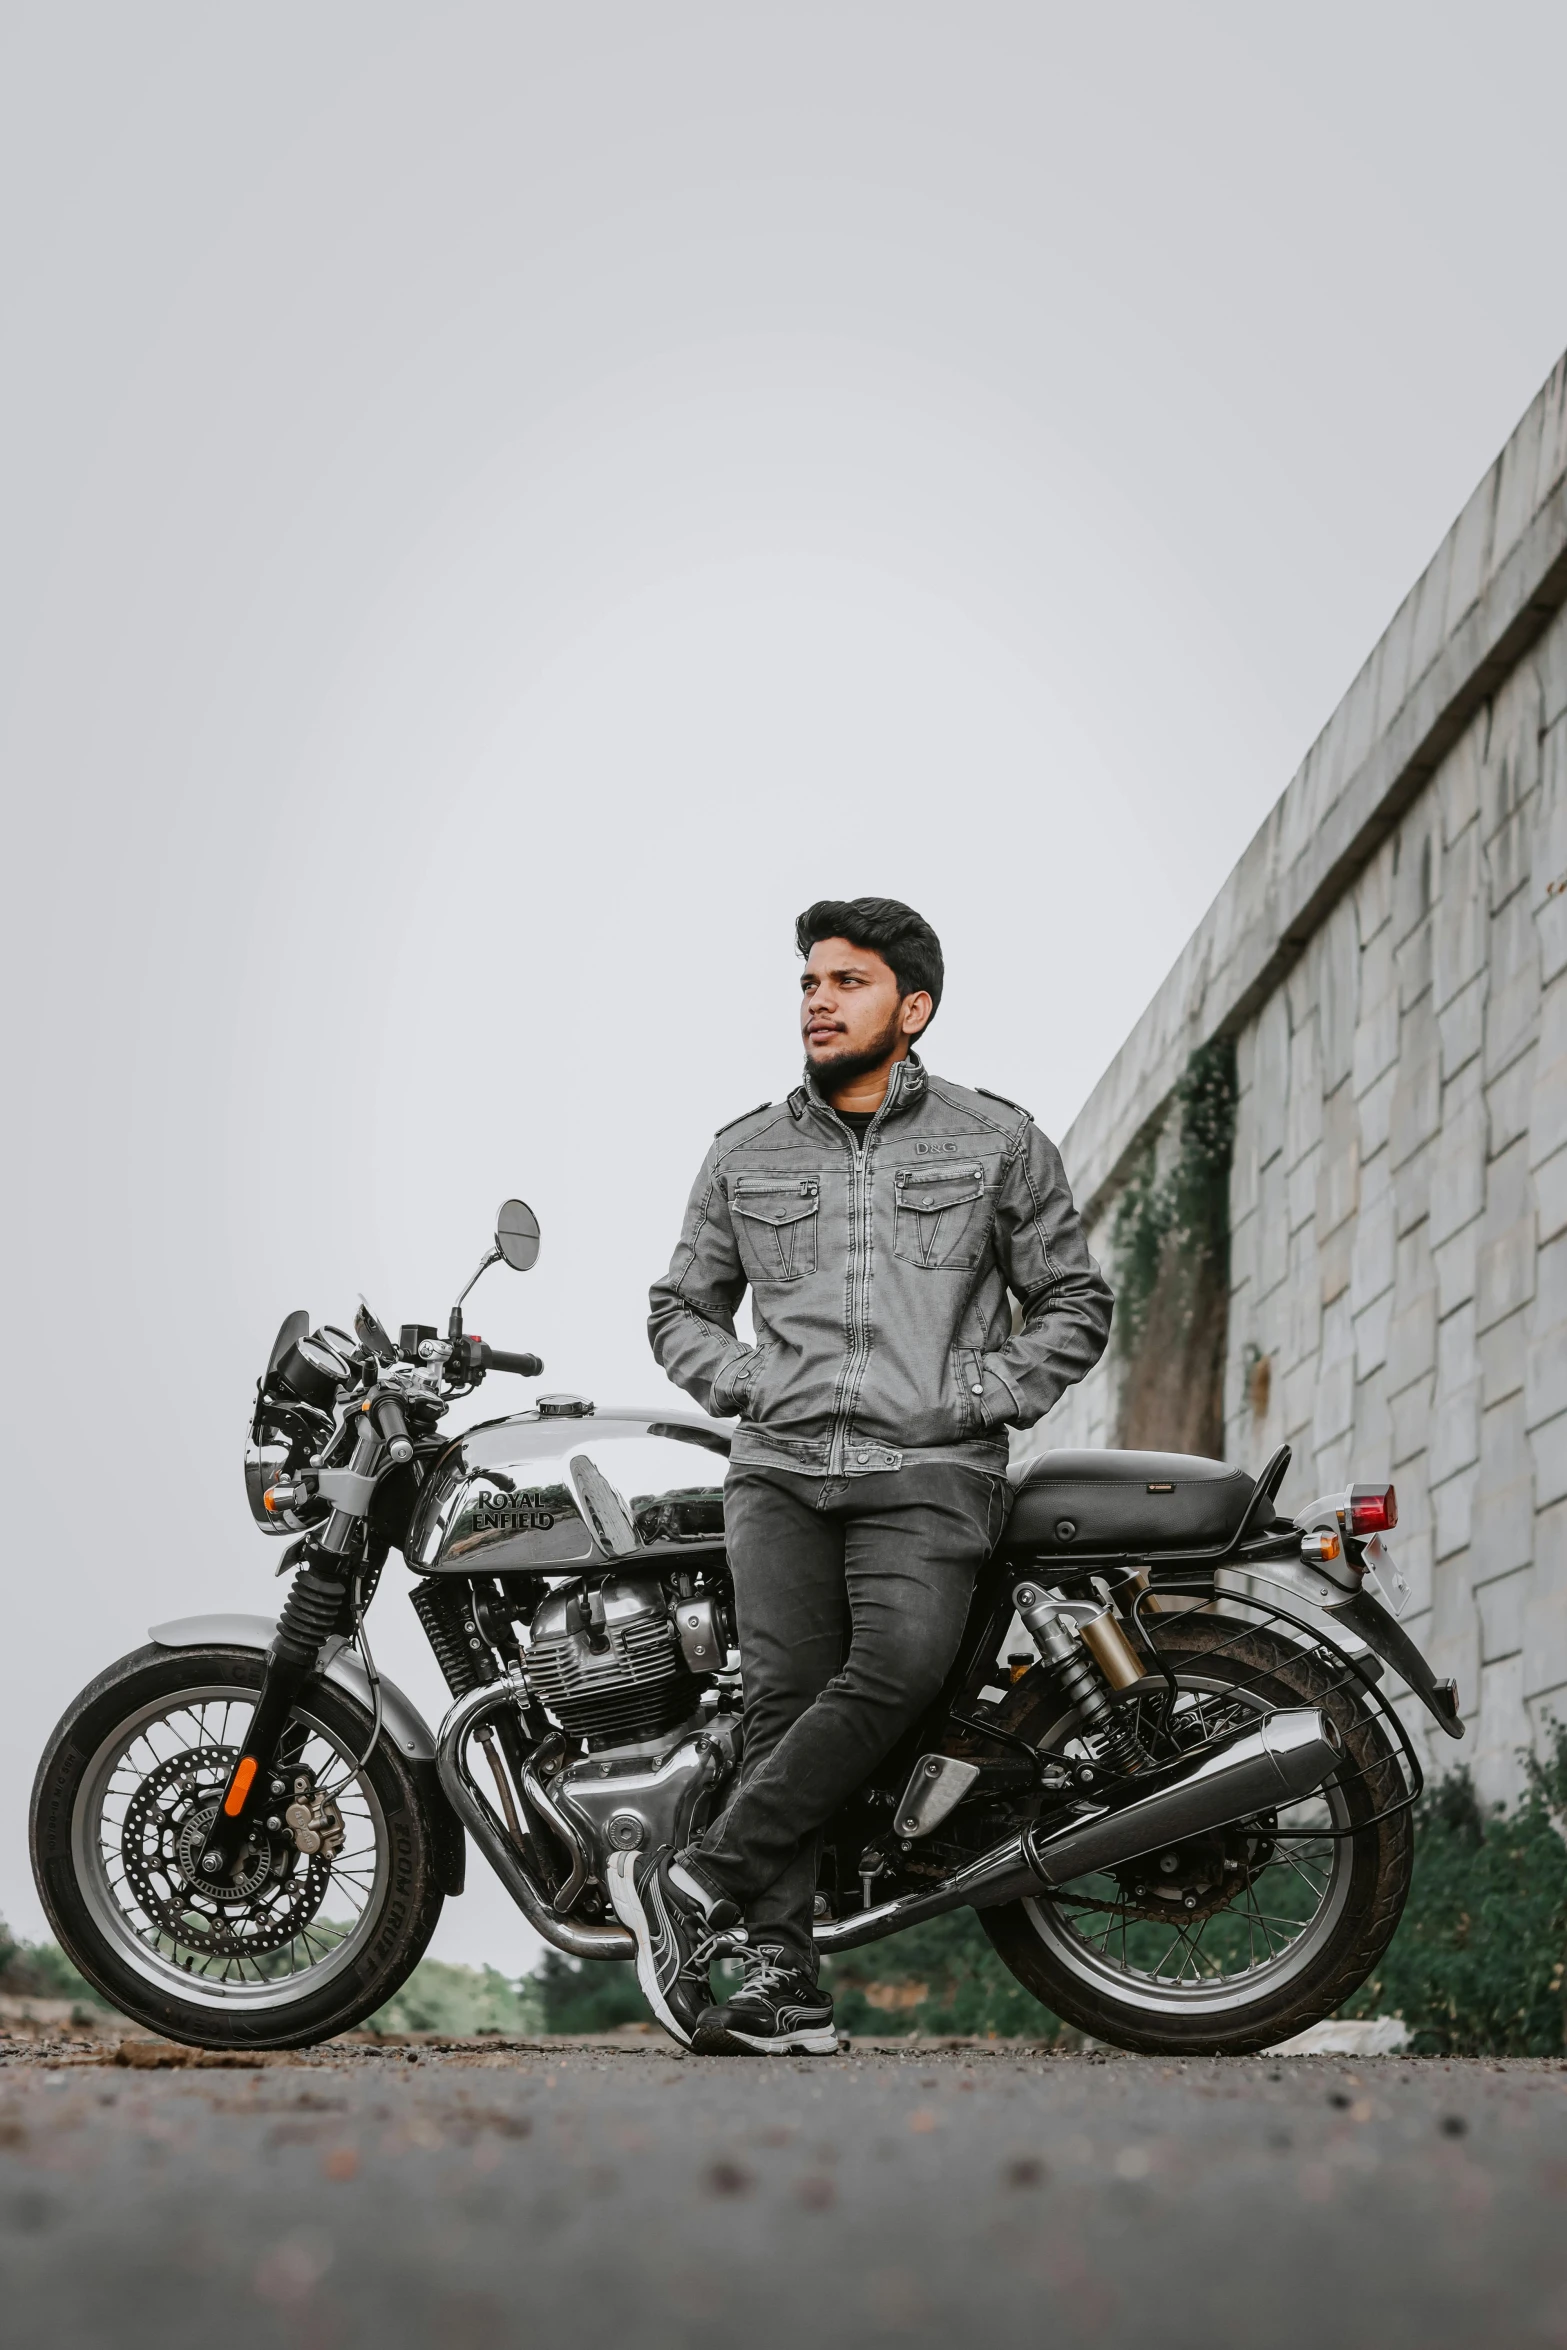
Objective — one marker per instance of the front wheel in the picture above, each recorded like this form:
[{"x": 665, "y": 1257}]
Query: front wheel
[
  {"x": 1229, "y": 1942},
  {"x": 336, "y": 1893}
]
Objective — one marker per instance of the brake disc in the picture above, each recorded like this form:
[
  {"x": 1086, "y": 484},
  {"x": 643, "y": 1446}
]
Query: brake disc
[{"x": 261, "y": 1909}]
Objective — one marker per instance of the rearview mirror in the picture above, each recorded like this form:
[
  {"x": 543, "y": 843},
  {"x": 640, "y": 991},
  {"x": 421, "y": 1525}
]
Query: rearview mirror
[{"x": 517, "y": 1235}]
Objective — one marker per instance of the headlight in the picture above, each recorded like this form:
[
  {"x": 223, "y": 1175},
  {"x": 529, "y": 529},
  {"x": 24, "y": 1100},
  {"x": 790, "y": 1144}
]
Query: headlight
[
  {"x": 275, "y": 1452},
  {"x": 292, "y": 1420}
]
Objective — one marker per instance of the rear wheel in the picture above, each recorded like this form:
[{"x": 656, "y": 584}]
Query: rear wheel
[
  {"x": 335, "y": 1896},
  {"x": 1228, "y": 1942}
]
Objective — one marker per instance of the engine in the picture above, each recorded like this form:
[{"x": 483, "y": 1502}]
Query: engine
[
  {"x": 609, "y": 1663},
  {"x": 613, "y": 1662}
]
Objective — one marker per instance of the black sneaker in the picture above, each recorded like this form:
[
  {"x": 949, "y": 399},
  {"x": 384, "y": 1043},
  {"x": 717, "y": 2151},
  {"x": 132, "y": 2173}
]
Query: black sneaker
[
  {"x": 675, "y": 1945},
  {"x": 778, "y": 2011}
]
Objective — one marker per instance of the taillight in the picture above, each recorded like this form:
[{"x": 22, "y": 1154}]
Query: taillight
[{"x": 1373, "y": 1509}]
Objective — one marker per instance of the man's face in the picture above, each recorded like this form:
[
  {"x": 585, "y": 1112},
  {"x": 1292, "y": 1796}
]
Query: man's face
[{"x": 850, "y": 1010}]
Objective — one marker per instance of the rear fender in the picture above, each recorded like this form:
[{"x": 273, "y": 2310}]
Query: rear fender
[
  {"x": 402, "y": 1724},
  {"x": 1386, "y": 1638}
]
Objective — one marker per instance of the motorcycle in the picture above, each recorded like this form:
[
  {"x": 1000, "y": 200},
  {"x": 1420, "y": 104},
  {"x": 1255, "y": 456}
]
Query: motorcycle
[{"x": 1164, "y": 1769}]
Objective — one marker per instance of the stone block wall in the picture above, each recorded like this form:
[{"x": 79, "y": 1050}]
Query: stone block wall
[
  {"x": 1399, "y": 1209},
  {"x": 1390, "y": 956}
]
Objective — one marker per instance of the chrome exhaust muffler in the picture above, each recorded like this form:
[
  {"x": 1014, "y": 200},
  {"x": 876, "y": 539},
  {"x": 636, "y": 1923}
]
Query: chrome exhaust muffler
[{"x": 1288, "y": 1756}]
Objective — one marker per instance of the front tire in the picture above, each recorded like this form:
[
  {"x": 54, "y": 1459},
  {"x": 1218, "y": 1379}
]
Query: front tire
[
  {"x": 308, "y": 1944},
  {"x": 1094, "y": 1956}
]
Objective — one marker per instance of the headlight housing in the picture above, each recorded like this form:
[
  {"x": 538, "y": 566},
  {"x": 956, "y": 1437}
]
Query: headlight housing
[
  {"x": 292, "y": 1421},
  {"x": 277, "y": 1447}
]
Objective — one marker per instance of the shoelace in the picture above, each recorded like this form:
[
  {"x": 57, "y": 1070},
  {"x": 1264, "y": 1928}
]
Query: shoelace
[
  {"x": 766, "y": 1969},
  {"x": 723, "y": 1944}
]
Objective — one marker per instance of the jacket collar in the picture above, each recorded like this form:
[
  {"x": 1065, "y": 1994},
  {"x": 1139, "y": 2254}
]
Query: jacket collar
[{"x": 906, "y": 1086}]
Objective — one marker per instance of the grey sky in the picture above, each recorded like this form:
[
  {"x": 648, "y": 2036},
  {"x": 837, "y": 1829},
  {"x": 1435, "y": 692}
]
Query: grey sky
[{"x": 502, "y": 506}]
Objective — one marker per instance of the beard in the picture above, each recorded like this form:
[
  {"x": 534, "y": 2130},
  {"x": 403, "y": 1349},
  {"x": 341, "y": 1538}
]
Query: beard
[{"x": 834, "y": 1069}]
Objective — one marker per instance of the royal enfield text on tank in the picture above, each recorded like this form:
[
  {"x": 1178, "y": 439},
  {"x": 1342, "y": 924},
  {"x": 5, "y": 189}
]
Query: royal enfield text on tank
[{"x": 1164, "y": 1769}]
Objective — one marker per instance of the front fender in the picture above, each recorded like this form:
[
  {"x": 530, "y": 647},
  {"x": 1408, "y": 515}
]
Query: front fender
[{"x": 401, "y": 1721}]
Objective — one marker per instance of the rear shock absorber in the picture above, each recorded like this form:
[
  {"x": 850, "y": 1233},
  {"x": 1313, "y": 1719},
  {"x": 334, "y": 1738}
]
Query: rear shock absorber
[
  {"x": 444, "y": 1606},
  {"x": 1082, "y": 1673}
]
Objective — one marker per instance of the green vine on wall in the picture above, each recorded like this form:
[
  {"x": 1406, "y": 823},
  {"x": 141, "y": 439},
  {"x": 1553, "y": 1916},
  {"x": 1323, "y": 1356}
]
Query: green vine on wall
[{"x": 1171, "y": 1243}]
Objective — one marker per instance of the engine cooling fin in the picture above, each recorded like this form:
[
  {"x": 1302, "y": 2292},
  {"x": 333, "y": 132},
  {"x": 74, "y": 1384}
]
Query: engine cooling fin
[{"x": 636, "y": 1685}]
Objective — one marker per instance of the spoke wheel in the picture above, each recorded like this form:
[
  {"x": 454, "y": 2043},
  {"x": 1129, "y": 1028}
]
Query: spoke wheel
[
  {"x": 336, "y": 1892},
  {"x": 288, "y": 1920},
  {"x": 1238, "y": 1938}
]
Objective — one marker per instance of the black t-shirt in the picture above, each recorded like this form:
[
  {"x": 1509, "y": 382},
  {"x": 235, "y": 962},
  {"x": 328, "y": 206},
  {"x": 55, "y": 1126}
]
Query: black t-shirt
[{"x": 857, "y": 1121}]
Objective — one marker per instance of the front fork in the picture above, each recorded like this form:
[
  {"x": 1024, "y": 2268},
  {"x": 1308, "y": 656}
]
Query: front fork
[{"x": 311, "y": 1614}]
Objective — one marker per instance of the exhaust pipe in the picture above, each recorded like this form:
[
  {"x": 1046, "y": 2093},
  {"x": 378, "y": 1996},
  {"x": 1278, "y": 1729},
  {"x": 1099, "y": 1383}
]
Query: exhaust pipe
[
  {"x": 577, "y": 1940},
  {"x": 1287, "y": 1757}
]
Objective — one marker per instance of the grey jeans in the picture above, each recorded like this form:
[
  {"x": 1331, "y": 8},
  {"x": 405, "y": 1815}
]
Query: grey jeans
[{"x": 852, "y": 1595}]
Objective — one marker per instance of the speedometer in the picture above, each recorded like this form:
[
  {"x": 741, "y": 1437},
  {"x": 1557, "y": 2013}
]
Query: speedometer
[{"x": 311, "y": 1372}]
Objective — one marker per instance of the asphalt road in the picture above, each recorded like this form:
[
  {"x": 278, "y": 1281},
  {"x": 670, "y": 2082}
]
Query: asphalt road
[{"x": 593, "y": 2196}]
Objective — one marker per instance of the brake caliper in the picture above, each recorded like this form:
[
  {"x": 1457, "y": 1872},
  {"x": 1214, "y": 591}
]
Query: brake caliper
[{"x": 313, "y": 1819}]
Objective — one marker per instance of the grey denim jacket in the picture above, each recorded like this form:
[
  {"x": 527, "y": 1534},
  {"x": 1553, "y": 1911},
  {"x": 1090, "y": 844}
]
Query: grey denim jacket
[{"x": 879, "y": 1280}]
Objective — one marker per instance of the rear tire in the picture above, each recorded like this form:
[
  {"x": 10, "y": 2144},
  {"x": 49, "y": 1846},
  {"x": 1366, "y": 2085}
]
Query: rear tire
[
  {"x": 98, "y": 1869},
  {"x": 1370, "y": 1881}
]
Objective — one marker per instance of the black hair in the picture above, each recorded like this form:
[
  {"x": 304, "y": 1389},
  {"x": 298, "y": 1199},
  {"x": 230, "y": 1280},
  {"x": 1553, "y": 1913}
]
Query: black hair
[{"x": 902, "y": 938}]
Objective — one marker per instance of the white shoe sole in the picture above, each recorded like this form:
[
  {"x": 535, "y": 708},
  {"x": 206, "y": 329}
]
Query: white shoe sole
[
  {"x": 822, "y": 2041},
  {"x": 626, "y": 1903}
]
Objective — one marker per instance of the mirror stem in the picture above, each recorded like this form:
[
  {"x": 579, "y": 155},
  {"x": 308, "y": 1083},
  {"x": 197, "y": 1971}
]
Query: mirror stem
[{"x": 454, "y": 1322}]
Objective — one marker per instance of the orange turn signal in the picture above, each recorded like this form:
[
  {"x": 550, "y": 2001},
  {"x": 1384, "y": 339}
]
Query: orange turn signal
[{"x": 239, "y": 1786}]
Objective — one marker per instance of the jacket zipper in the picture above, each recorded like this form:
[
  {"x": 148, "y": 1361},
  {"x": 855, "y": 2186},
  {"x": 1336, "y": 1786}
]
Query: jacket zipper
[{"x": 859, "y": 1287}]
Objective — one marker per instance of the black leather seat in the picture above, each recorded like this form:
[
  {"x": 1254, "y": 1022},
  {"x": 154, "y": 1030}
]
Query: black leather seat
[{"x": 1125, "y": 1503}]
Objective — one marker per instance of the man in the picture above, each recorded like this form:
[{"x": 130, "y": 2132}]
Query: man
[{"x": 879, "y": 1217}]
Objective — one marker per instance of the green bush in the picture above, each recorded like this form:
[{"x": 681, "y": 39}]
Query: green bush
[
  {"x": 593, "y": 1998},
  {"x": 940, "y": 1977},
  {"x": 462, "y": 2002},
  {"x": 41, "y": 1970},
  {"x": 1476, "y": 1966}
]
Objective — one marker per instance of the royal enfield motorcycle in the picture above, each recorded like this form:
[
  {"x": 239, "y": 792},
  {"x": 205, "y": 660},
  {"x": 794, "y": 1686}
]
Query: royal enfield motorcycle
[{"x": 1164, "y": 1770}]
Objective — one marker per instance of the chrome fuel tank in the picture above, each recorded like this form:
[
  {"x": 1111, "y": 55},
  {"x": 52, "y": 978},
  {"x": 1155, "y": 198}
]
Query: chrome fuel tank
[{"x": 567, "y": 1488}]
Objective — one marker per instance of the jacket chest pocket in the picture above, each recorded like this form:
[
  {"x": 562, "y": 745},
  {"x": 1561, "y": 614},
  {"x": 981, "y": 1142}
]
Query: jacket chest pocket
[
  {"x": 775, "y": 1220},
  {"x": 940, "y": 1216}
]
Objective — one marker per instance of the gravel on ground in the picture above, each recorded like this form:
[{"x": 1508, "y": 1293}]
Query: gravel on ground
[{"x": 616, "y": 2191}]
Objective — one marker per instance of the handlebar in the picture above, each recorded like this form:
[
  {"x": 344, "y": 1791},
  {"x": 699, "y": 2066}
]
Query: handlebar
[
  {"x": 491, "y": 1358},
  {"x": 386, "y": 1415}
]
